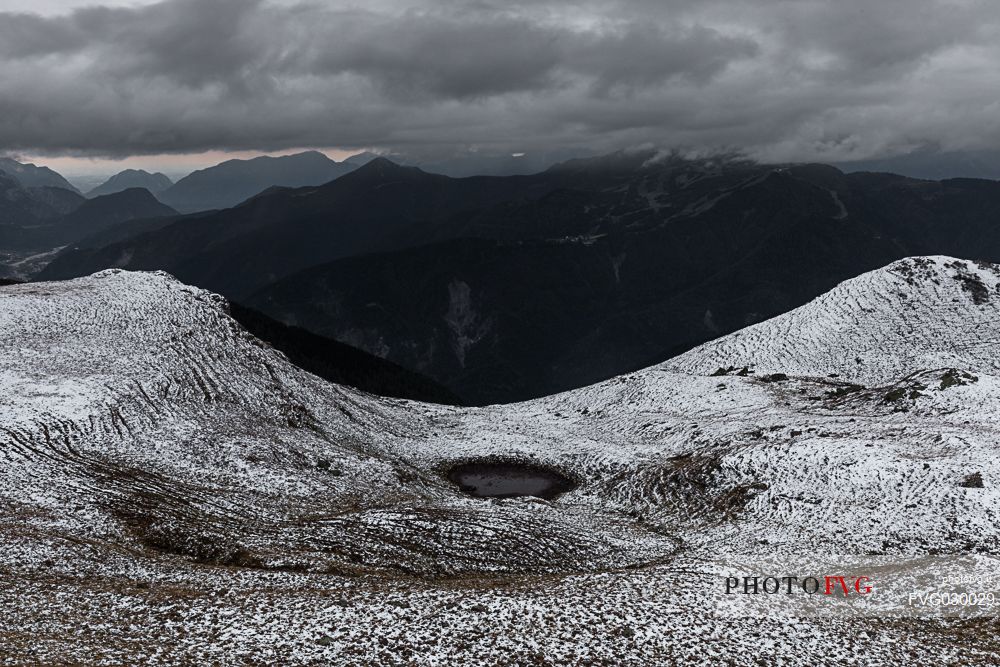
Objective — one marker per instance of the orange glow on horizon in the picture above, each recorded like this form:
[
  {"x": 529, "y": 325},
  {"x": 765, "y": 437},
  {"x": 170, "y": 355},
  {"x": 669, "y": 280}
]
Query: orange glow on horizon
[{"x": 170, "y": 164}]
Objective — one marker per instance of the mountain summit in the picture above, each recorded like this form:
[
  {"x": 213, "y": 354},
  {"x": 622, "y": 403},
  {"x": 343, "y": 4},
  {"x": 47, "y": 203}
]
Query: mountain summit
[
  {"x": 31, "y": 176},
  {"x": 132, "y": 178},
  {"x": 105, "y": 211},
  {"x": 920, "y": 313}
]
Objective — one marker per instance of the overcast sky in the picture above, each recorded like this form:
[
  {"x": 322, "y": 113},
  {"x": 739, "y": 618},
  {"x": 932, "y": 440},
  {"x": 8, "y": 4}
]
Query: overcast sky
[{"x": 783, "y": 79}]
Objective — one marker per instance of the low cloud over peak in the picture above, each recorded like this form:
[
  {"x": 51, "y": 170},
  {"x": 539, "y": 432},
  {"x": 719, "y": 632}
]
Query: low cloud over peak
[{"x": 786, "y": 80}]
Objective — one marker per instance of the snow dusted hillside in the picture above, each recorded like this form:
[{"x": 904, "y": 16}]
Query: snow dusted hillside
[
  {"x": 918, "y": 313},
  {"x": 174, "y": 491}
]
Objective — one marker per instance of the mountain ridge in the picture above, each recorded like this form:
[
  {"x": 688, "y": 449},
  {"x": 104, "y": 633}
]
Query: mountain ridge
[
  {"x": 680, "y": 273},
  {"x": 268, "y": 236},
  {"x": 678, "y": 251},
  {"x": 166, "y": 460},
  {"x": 229, "y": 183},
  {"x": 30, "y": 175},
  {"x": 104, "y": 211}
]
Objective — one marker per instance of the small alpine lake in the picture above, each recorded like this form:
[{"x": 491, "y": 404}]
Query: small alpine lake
[{"x": 509, "y": 480}]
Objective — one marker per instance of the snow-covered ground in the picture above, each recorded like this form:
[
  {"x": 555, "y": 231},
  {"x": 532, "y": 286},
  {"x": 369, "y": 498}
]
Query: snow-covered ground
[{"x": 172, "y": 490}]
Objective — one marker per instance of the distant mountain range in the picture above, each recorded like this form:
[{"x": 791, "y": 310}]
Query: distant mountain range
[
  {"x": 24, "y": 210},
  {"x": 508, "y": 288},
  {"x": 475, "y": 163},
  {"x": 240, "y": 250},
  {"x": 34, "y": 219},
  {"x": 934, "y": 165},
  {"x": 234, "y": 181},
  {"x": 491, "y": 164},
  {"x": 19, "y": 204},
  {"x": 132, "y": 178},
  {"x": 31, "y": 176},
  {"x": 103, "y": 212}
]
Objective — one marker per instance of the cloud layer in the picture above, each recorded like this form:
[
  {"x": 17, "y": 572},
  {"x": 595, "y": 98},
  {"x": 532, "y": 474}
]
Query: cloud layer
[{"x": 786, "y": 79}]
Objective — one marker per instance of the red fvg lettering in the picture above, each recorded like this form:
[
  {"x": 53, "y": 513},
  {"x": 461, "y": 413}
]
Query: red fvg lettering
[
  {"x": 858, "y": 581},
  {"x": 832, "y": 580}
]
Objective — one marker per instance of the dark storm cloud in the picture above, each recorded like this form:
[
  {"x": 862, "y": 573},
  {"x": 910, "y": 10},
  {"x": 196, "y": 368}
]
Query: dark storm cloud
[
  {"x": 785, "y": 78},
  {"x": 27, "y": 36}
]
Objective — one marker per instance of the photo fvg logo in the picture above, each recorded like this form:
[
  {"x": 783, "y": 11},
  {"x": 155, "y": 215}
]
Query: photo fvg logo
[{"x": 832, "y": 585}]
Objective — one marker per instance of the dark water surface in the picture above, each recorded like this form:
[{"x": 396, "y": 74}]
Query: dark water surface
[{"x": 509, "y": 480}]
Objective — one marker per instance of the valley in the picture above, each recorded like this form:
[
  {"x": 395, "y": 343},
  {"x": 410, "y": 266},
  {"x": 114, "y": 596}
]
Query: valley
[
  {"x": 166, "y": 466},
  {"x": 504, "y": 289}
]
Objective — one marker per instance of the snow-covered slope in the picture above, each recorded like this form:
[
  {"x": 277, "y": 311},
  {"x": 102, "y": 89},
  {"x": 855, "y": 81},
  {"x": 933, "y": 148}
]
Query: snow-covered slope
[
  {"x": 918, "y": 313},
  {"x": 140, "y": 398},
  {"x": 184, "y": 494}
]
